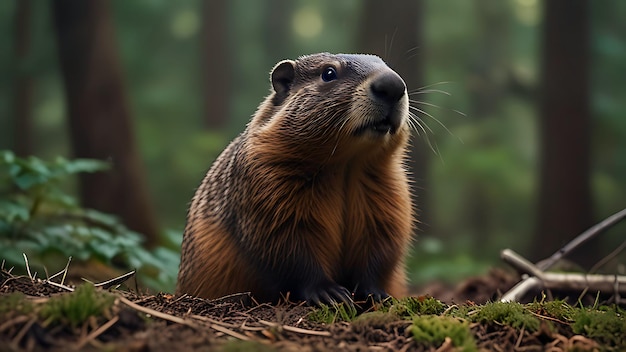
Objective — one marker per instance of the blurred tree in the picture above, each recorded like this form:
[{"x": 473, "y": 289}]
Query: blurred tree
[
  {"x": 490, "y": 66},
  {"x": 564, "y": 208},
  {"x": 99, "y": 117},
  {"x": 216, "y": 65},
  {"x": 397, "y": 37},
  {"x": 491, "y": 63},
  {"x": 278, "y": 30},
  {"x": 23, "y": 81}
]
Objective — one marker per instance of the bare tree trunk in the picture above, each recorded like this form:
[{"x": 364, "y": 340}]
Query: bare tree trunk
[
  {"x": 23, "y": 81},
  {"x": 99, "y": 118},
  {"x": 491, "y": 58},
  {"x": 217, "y": 63},
  {"x": 397, "y": 37},
  {"x": 278, "y": 30},
  {"x": 565, "y": 201}
]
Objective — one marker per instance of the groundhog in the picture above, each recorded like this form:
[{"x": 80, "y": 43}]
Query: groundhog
[{"x": 311, "y": 201}]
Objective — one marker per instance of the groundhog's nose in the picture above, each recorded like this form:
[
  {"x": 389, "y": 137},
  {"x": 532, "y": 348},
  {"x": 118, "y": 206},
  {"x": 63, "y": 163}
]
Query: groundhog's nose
[{"x": 388, "y": 87}]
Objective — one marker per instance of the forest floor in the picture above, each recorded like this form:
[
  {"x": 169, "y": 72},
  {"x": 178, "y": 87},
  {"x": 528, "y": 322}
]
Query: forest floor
[{"x": 162, "y": 322}]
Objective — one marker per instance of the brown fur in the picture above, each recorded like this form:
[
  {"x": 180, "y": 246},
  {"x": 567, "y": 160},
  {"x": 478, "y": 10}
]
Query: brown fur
[{"x": 302, "y": 202}]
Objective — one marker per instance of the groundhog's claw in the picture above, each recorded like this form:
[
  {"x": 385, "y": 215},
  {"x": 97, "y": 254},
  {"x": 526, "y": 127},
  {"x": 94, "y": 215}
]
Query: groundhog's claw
[
  {"x": 327, "y": 293},
  {"x": 370, "y": 294}
]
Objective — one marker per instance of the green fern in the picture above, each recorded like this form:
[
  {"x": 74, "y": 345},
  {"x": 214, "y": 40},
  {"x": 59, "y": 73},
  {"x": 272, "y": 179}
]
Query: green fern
[{"x": 38, "y": 218}]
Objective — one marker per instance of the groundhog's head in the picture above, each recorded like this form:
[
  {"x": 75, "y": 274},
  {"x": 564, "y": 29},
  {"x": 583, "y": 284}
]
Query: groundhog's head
[{"x": 335, "y": 106}]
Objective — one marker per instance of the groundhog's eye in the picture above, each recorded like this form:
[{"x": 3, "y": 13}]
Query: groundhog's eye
[{"x": 329, "y": 74}]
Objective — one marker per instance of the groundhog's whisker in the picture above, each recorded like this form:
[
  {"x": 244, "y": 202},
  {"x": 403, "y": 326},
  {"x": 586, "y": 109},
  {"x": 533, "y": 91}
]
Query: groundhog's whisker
[
  {"x": 427, "y": 91},
  {"x": 415, "y": 125},
  {"x": 437, "y": 106},
  {"x": 428, "y": 86},
  {"x": 414, "y": 120},
  {"x": 418, "y": 110},
  {"x": 419, "y": 122}
]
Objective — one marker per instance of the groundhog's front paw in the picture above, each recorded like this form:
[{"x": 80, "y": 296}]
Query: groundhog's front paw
[
  {"x": 327, "y": 293},
  {"x": 370, "y": 293}
]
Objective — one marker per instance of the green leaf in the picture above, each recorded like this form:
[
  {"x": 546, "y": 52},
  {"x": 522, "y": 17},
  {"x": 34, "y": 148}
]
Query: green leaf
[
  {"x": 59, "y": 198},
  {"x": 82, "y": 165},
  {"x": 33, "y": 165},
  {"x": 105, "y": 250},
  {"x": 13, "y": 211},
  {"x": 101, "y": 218},
  {"x": 6, "y": 157},
  {"x": 61, "y": 227},
  {"x": 30, "y": 180}
]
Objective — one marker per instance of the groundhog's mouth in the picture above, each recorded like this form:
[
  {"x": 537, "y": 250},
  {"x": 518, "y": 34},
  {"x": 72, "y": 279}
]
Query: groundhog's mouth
[
  {"x": 383, "y": 127},
  {"x": 379, "y": 127}
]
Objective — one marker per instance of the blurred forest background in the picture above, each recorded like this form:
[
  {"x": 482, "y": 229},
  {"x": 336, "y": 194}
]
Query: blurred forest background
[{"x": 158, "y": 88}]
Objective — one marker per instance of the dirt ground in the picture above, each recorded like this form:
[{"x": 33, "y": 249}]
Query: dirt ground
[{"x": 163, "y": 322}]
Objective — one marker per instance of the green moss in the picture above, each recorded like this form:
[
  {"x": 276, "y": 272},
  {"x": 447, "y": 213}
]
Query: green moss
[
  {"x": 557, "y": 309},
  {"x": 376, "y": 318},
  {"x": 606, "y": 325},
  {"x": 432, "y": 331},
  {"x": 14, "y": 303},
  {"x": 462, "y": 311},
  {"x": 410, "y": 306},
  {"x": 76, "y": 307},
  {"x": 507, "y": 313},
  {"x": 332, "y": 314}
]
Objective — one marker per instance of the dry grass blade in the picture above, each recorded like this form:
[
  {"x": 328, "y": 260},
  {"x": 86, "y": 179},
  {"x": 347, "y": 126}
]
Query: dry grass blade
[
  {"x": 28, "y": 267},
  {"x": 20, "y": 335},
  {"x": 229, "y": 332},
  {"x": 97, "y": 332},
  {"x": 14, "y": 321},
  {"x": 155, "y": 313},
  {"x": 67, "y": 266},
  {"x": 215, "y": 321},
  {"x": 519, "y": 339},
  {"x": 61, "y": 286},
  {"x": 115, "y": 281},
  {"x": 297, "y": 330}
]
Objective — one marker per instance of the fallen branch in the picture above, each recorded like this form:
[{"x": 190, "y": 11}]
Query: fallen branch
[{"x": 539, "y": 279}]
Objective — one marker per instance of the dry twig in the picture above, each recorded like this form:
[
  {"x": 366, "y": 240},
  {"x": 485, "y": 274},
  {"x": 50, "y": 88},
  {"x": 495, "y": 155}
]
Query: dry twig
[
  {"x": 97, "y": 332},
  {"x": 563, "y": 281},
  {"x": 297, "y": 330},
  {"x": 115, "y": 281},
  {"x": 155, "y": 313},
  {"x": 537, "y": 277}
]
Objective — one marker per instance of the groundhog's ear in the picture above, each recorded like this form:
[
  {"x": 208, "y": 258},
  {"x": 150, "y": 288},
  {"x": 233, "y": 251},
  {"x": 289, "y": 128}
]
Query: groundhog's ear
[{"x": 283, "y": 75}]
